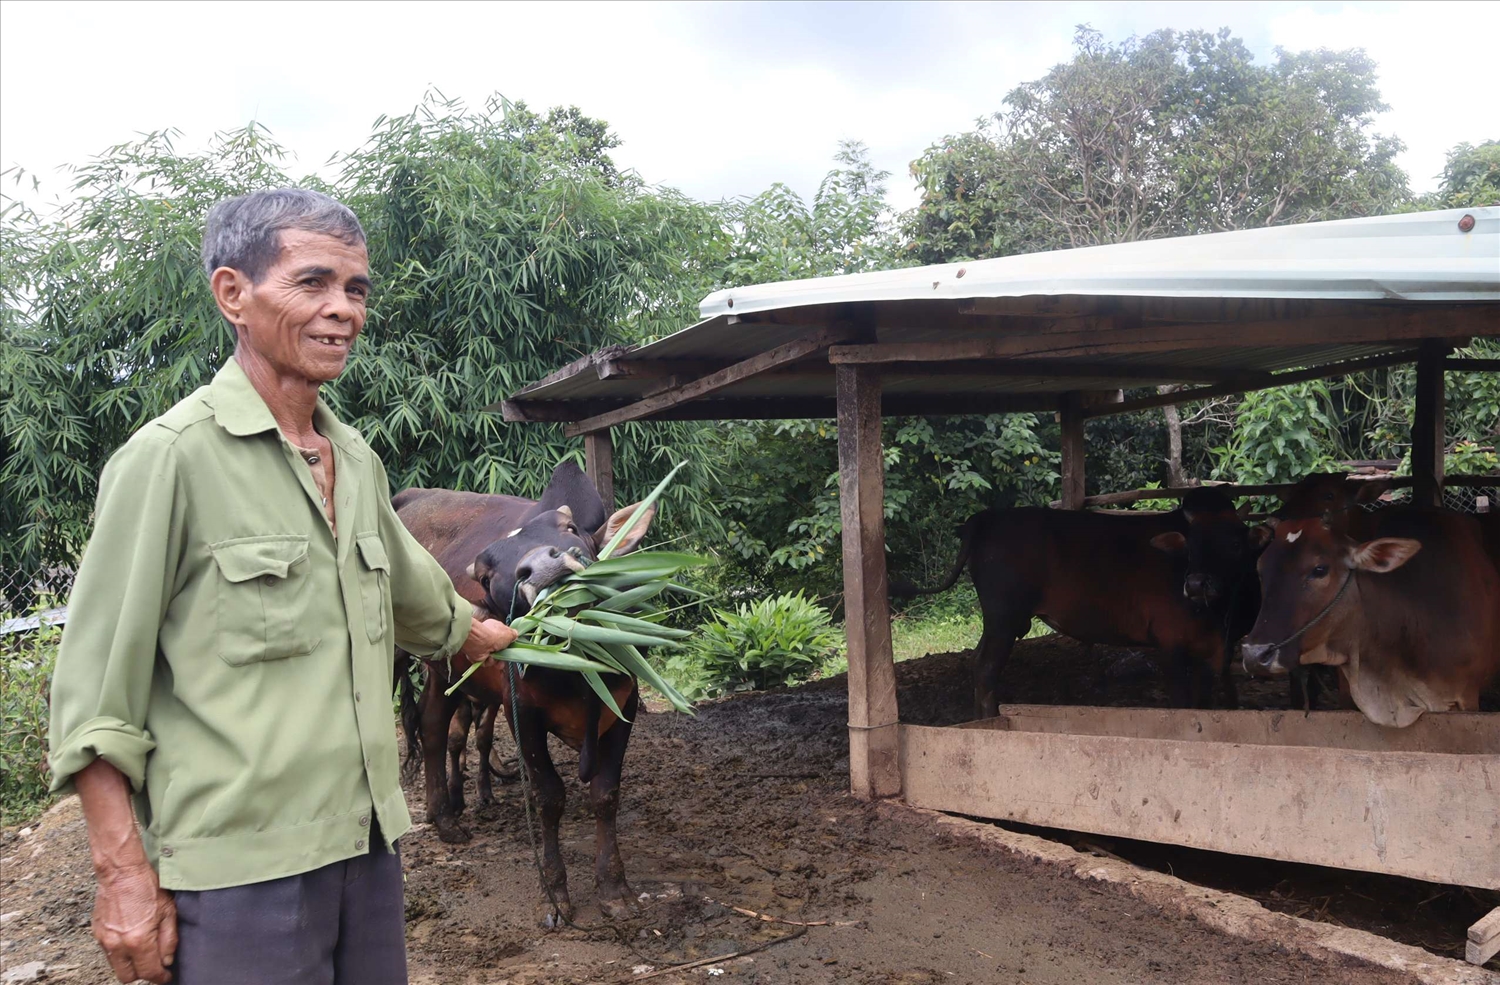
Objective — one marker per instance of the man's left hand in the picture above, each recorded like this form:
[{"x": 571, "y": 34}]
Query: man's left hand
[{"x": 486, "y": 637}]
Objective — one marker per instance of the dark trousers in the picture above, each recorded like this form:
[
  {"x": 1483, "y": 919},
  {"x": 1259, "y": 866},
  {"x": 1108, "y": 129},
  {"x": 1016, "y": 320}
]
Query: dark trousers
[{"x": 343, "y": 924}]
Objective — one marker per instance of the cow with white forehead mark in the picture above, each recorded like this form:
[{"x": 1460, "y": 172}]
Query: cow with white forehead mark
[
  {"x": 1409, "y": 609},
  {"x": 501, "y": 552}
]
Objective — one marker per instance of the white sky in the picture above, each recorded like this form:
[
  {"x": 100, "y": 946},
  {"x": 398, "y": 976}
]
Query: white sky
[{"x": 717, "y": 100}]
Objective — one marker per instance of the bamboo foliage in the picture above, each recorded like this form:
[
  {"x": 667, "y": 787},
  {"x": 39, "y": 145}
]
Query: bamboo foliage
[{"x": 503, "y": 243}]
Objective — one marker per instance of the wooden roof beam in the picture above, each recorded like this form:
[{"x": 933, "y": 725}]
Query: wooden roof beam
[
  {"x": 779, "y": 408},
  {"x": 703, "y": 386},
  {"x": 1273, "y": 380}
]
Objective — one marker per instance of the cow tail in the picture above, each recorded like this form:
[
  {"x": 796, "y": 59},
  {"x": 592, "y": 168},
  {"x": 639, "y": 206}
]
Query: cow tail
[
  {"x": 967, "y": 534},
  {"x": 411, "y": 711}
]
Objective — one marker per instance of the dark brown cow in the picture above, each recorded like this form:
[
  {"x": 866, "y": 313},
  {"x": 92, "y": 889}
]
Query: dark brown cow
[
  {"x": 1172, "y": 581},
  {"x": 500, "y": 551},
  {"x": 1406, "y": 602}
]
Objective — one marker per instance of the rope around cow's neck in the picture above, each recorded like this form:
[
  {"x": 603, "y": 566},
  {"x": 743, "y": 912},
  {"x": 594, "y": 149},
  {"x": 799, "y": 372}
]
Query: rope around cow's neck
[{"x": 1349, "y": 577}]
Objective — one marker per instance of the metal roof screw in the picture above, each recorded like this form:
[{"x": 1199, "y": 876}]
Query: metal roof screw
[
  {"x": 961, "y": 271},
  {"x": 729, "y": 302},
  {"x": 1466, "y": 223}
]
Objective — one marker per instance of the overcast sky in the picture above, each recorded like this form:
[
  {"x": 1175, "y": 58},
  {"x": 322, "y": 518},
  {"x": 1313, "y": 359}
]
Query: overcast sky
[{"x": 715, "y": 99}]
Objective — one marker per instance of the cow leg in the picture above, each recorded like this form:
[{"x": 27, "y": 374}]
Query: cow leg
[
  {"x": 613, "y": 892},
  {"x": 437, "y": 712},
  {"x": 551, "y": 797},
  {"x": 1001, "y": 630},
  {"x": 484, "y": 742},
  {"x": 458, "y": 745}
]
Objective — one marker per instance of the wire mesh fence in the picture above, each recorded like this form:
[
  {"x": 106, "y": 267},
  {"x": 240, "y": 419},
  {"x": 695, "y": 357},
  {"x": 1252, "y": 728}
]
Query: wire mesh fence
[{"x": 31, "y": 599}]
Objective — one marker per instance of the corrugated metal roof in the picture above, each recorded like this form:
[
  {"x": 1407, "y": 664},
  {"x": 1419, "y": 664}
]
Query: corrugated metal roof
[
  {"x": 1223, "y": 285},
  {"x": 1422, "y": 256}
]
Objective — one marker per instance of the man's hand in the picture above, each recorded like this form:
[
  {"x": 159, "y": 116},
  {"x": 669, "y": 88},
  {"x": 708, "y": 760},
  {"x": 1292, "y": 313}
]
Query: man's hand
[
  {"x": 485, "y": 638},
  {"x": 135, "y": 921}
]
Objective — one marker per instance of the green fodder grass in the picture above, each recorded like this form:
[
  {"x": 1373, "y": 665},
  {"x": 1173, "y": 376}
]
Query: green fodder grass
[{"x": 26, "y": 661}]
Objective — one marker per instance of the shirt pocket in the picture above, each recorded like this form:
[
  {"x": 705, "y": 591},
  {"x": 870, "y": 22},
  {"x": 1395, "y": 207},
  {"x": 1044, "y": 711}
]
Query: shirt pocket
[
  {"x": 264, "y": 609},
  {"x": 374, "y": 584}
]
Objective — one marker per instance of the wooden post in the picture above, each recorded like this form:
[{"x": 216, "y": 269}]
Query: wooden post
[
  {"x": 599, "y": 462},
  {"x": 1427, "y": 443},
  {"x": 874, "y": 739},
  {"x": 1070, "y": 415}
]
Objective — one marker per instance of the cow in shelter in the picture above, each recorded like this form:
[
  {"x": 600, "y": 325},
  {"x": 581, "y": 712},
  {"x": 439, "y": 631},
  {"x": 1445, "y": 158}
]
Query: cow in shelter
[
  {"x": 1182, "y": 581},
  {"x": 501, "y": 552},
  {"x": 1405, "y": 601}
]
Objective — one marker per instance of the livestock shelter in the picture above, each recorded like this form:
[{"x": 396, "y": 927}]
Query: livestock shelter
[{"x": 1068, "y": 332}]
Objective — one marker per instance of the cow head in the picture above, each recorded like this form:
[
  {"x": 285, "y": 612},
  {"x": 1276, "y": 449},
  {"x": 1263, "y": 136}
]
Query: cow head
[
  {"x": 1305, "y": 574},
  {"x": 1218, "y": 549},
  {"x": 561, "y": 534},
  {"x": 1331, "y": 495}
]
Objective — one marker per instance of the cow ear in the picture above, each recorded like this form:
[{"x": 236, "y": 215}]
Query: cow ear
[
  {"x": 1245, "y": 509},
  {"x": 1371, "y": 489},
  {"x": 1385, "y": 554},
  {"x": 478, "y": 569},
  {"x": 633, "y": 538},
  {"x": 1260, "y": 535},
  {"x": 1171, "y": 542}
]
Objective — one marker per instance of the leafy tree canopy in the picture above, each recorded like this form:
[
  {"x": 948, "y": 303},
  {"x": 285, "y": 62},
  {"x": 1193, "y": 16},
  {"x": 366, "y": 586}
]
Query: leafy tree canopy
[{"x": 1171, "y": 134}]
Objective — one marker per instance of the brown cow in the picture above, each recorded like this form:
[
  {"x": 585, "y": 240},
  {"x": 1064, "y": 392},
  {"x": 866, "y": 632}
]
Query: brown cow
[
  {"x": 1181, "y": 581},
  {"x": 500, "y": 552},
  {"x": 1408, "y": 608}
]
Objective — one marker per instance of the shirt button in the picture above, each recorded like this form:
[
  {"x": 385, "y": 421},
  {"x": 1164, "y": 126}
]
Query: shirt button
[
  {"x": 356, "y": 695},
  {"x": 268, "y": 580},
  {"x": 360, "y": 845},
  {"x": 364, "y": 821},
  {"x": 166, "y": 851}
]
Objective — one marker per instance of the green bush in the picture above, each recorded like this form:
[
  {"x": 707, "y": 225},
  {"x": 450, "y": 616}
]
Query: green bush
[
  {"x": 780, "y": 640},
  {"x": 26, "y": 661}
]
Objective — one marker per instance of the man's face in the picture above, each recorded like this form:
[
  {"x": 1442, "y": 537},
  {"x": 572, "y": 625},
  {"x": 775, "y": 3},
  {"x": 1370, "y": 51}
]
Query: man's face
[{"x": 304, "y": 315}]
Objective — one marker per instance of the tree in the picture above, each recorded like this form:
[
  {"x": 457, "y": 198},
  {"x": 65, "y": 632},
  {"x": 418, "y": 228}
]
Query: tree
[
  {"x": 1471, "y": 177},
  {"x": 503, "y": 244},
  {"x": 1167, "y": 135}
]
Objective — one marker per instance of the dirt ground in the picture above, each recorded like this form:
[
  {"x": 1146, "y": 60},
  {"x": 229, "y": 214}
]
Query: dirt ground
[{"x": 745, "y": 806}]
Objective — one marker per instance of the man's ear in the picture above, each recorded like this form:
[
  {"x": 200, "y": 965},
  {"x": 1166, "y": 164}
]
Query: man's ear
[
  {"x": 231, "y": 289},
  {"x": 1171, "y": 542},
  {"x": 612, "y": 526},
  {"x": 1383, "y": 555}
]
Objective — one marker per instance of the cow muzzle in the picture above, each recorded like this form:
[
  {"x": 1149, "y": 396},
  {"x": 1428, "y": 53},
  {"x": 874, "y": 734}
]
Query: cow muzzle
[
  {"x": 544, "y": 567},
  {"x": 1202, "y": 590},
  {"x": 1263, "y": 659}
]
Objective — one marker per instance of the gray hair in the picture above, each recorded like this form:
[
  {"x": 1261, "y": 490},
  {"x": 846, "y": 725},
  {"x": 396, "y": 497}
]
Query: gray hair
[{"x": 244, "y": 233}]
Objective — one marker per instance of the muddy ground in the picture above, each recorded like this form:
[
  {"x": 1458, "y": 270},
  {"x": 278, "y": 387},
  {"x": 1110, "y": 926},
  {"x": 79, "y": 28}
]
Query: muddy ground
[{"x": 745, "y": 806}]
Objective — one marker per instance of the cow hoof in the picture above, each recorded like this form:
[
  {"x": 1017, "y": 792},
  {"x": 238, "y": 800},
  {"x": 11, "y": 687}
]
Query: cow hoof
[
  {"x": 450, "y": 831},
  {"x": 486, "y": 799},
  {"x": 553, "y": 919},
  {"x": 615, "y": 909}
]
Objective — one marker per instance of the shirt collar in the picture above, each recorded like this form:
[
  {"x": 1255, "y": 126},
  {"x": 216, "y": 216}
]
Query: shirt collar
[{"x": 240, "y": 410}]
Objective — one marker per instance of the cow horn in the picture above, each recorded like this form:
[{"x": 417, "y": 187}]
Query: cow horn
[
  {"x": 566, "y": 511},
  {"x": 470, "y": 571}
]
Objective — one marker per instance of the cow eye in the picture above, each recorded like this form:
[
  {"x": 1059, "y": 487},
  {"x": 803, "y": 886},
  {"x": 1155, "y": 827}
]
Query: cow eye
[
  {"x": 1321, "y": 571},
  {"x": 572, "y": 530},
  {"x": 485, "y": 581}
]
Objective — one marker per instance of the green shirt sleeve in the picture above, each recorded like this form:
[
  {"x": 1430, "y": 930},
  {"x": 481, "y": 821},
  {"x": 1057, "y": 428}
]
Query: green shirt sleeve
[
  {"x": 102, "y": 684},
  {"x": 431, "y": 619}
]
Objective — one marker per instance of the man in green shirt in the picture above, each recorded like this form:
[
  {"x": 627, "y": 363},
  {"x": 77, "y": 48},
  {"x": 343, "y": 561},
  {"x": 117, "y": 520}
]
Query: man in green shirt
[{"x": 228, "y": 652}]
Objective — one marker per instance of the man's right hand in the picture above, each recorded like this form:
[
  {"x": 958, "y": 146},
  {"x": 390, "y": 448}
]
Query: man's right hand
[{"x": 135, "y": 921}]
